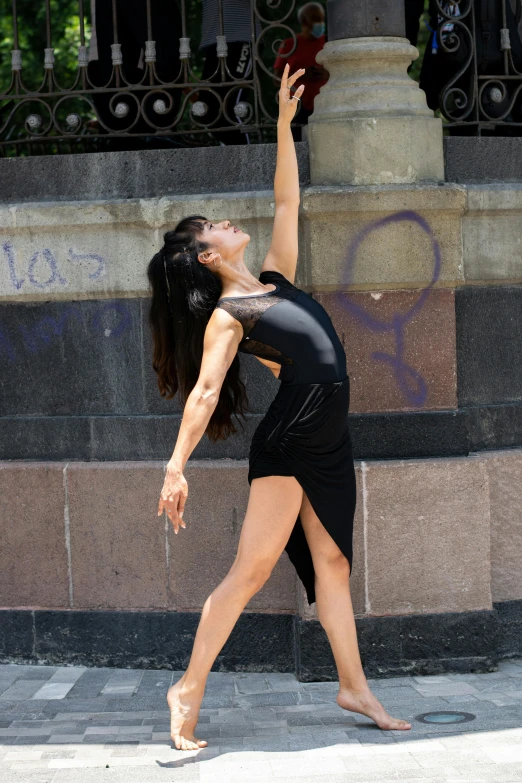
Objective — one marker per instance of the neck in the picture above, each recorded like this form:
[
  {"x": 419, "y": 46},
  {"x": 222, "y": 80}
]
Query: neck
[{"x": 237, "y": 280}]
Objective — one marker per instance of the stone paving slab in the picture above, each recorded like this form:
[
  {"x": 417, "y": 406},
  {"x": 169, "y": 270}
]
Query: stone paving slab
[{"x": 84, "y": 725}]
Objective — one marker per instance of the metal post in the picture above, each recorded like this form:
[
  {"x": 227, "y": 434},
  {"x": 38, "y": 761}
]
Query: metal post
[{"x": 363, "y": 18}]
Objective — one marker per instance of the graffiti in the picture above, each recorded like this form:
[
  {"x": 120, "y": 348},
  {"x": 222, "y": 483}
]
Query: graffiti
[
  {"x": 410, "y": 382},
  {"x": 110, "y": 319},
  {"x": 43, "y": 272}
]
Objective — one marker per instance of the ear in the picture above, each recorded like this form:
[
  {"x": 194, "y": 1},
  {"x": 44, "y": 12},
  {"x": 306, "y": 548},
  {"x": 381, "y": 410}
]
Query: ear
[{"x": 207, "y": 256}]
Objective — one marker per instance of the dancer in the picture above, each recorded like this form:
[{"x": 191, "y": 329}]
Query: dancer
[{"x": 206, "y": 306}]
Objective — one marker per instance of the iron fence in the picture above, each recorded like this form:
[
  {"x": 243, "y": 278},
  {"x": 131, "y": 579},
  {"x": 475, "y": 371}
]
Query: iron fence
[
  {"x": 136, "y": 69},
  {"x": 114, "y": 74},
  {"x": 472, "y": 69}
]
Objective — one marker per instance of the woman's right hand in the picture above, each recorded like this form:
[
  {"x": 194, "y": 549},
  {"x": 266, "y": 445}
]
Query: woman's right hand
[
  {"x": 287, "y": 102},
  {"x": 174, "y": 496}
]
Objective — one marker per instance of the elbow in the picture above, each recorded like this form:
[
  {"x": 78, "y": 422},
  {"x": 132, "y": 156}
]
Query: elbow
[
  {"x": 206, "y": 395},
  {"x": 290, "y": 200}
]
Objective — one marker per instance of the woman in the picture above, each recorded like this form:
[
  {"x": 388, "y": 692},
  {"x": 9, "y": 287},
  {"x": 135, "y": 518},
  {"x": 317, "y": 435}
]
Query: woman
[{"x": 206, "y": 305}]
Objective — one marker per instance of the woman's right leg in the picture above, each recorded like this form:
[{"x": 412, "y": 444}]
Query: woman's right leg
[{"x": 272, "y": 510}]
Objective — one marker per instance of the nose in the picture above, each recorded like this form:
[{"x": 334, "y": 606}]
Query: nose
[{"x": 227, "y": 223}]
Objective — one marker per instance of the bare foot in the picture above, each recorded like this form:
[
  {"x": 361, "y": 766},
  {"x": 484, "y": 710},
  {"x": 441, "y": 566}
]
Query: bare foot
[
  {"x": 184, "y": 707},
  {"x": 367, "y": 704}
]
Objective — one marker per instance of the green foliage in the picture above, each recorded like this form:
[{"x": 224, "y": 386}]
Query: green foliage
[{"x": 32, "y": 39}]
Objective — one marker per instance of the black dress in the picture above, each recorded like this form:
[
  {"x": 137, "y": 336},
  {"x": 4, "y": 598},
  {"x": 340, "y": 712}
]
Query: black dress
[{"x": 304, "y": 432}]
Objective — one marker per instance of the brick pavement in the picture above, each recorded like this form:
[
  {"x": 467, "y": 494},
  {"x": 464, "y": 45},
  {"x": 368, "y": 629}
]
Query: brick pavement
[{"x": 86, "y": 725}]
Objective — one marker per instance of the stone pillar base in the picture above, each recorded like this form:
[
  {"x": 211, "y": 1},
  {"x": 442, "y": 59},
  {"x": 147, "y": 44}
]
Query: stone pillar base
[
  {"x": 371, "y": 151},
  {"x": 371, "y": 124}
]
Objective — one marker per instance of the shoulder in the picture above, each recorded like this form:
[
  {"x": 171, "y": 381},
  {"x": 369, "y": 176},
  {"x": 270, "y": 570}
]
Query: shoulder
[
  {"x": 223, "y": 318},
  {"x": 223, "y": 328}
]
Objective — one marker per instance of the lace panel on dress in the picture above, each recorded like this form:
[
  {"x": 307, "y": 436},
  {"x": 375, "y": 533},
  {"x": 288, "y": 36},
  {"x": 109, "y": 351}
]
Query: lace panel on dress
[{"x": 248, "y": 310}]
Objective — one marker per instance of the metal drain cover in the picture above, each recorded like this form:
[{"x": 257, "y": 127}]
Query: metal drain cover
[{"x": 445, "y": 716}]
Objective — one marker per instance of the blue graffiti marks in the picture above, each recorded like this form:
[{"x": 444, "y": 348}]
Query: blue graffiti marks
[
  {"x": 410, "y": 382},
  {"x": 110, "y": 319},
  {"x": 43, "y": 272},
  {"x": 98, "y": 271}
]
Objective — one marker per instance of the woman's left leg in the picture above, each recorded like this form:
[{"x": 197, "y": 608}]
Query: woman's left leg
[{"x": 335, "y": 612}]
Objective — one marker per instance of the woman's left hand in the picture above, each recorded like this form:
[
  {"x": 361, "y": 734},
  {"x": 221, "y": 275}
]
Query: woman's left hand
[{"x": 288, "y": 103}]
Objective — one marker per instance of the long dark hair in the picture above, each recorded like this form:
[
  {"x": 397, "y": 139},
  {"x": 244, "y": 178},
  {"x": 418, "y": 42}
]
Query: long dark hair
[{"x": 184, "y": 294}]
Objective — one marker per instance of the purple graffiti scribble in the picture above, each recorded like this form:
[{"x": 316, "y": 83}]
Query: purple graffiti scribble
[
  {"x": 48, "y": 328},
  {"x": 122, "y": 312},
  {"x": 7, "y": 247},
  {"x": 410, "y": 382},
  {"x": 89, "y": 257},
  {"x": 51, "y": 260}
]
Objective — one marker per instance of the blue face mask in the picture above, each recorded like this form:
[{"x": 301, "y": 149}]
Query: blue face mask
[{"x": 318, "y": 29}]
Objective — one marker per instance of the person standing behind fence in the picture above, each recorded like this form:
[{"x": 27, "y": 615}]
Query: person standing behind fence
[
  {"x": 237, "y": 27},
  {"x": 310, "y": 40}
]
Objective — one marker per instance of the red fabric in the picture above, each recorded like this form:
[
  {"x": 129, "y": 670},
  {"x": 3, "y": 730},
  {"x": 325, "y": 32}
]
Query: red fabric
[{"x": 303, "y": 57}]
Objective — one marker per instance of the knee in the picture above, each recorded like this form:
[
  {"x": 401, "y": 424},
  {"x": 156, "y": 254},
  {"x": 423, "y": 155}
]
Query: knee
[
  {"x": 333, "y": 566},
  {"x": 252, "y": 575}
]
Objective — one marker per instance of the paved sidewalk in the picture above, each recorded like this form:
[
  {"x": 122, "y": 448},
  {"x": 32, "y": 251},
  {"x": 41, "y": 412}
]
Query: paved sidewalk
[{"x": 86, "y": 725}]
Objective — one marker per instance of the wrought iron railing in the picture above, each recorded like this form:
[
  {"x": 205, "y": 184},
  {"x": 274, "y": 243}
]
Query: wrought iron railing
[
  {"x": 114, "y": 90},
  {"x": 473, "y": 65},
  {"x": 130, "y": 72}
]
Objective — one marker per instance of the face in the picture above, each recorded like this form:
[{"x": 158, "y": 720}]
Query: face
[
  {"x": 224, "y": 238},
  {"x": 314, "y": 17}
]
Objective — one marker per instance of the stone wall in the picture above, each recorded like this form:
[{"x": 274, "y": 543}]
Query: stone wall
[{"x": 423, "y": 283}]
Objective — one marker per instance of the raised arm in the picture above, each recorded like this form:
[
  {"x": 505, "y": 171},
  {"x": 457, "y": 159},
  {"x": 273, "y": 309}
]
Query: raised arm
[
  {"x": 222, "y": 337},
  {"x": 282, "y": 254}
]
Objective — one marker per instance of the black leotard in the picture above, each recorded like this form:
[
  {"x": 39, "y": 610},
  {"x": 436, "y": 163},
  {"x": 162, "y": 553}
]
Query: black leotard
[
  {"x": 304, "y": 433},
  {"x": 298, "y": 334}
]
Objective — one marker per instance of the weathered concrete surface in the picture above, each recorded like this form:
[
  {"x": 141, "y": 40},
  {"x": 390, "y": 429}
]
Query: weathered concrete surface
[
  {"x": 143, "y": 173},
  {"x": 34, "y": 548},
  {"x": 491, "y": 233},
  {"x": 428, "y": 536},
  {"x": 361, "y": 238},
  {"x": 489, "y": 344},
  {"x": 117, "y": 540},
  {"x": 476, "y": 159},
  {"x": 505, "y": 490},
  {"x": 421, "y": 538},
  {"x": 102, "y": 248}
]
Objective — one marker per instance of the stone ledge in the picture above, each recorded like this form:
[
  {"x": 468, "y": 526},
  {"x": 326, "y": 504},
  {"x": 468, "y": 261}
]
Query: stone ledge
[
  {"x": 143, "y": 173},
  {"x": 59, "y": 250},
  {"x": 408, "y": 435},
  {"x": 406, "y": 645}
]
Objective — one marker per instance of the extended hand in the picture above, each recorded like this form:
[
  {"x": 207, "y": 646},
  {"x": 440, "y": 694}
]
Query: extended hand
[
  {"x": 288, "y": 103},
  {"x": 173, "y": 497}
]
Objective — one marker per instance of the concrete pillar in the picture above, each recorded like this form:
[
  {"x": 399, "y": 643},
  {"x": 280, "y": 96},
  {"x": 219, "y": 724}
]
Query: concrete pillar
[{"x": 371, "y": 124}]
